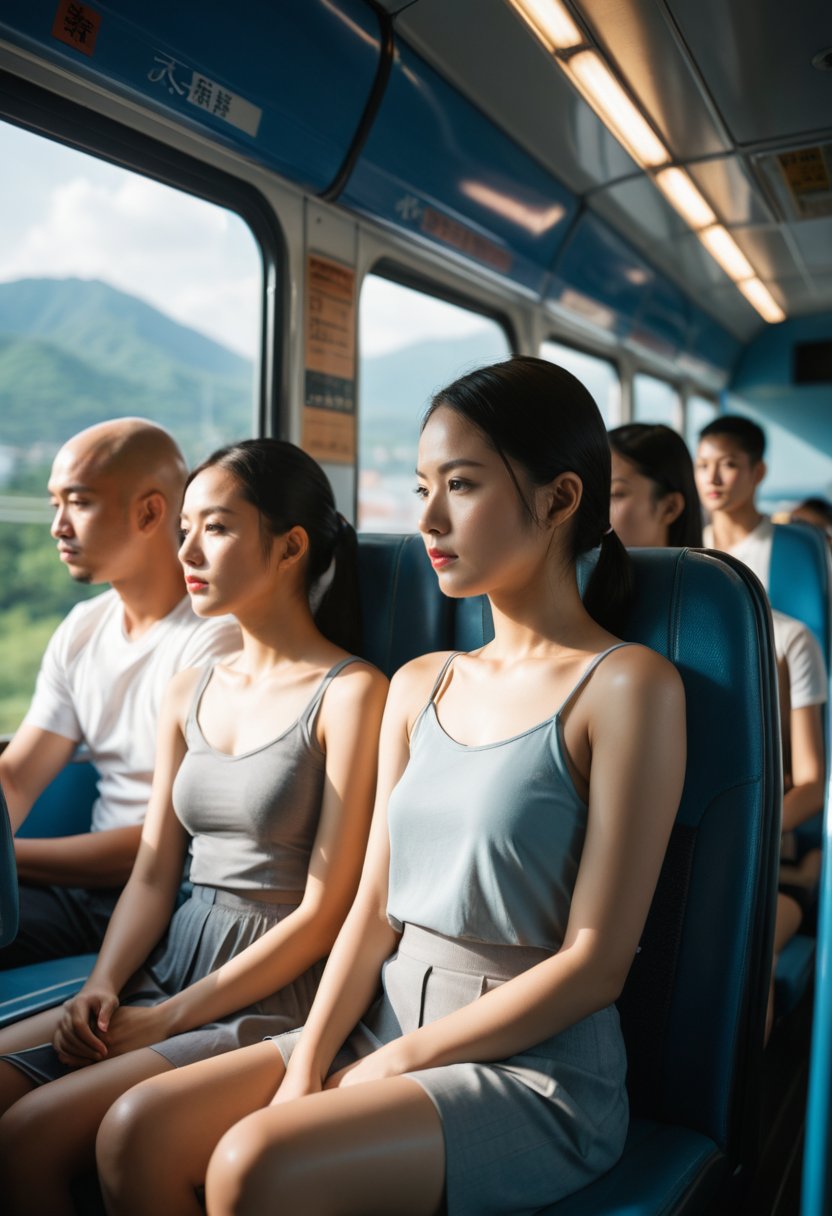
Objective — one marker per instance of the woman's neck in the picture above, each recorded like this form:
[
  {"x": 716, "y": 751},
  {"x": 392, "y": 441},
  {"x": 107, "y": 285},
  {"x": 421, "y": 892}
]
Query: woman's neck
[
  {"x": 543, "y": 618},
  {"x": 280, "y": 634}
]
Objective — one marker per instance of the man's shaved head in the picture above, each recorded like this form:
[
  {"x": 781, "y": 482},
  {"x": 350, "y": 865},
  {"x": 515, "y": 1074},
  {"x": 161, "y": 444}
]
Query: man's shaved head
[
  {"x": 117, "y": 489},
  {"x": 139, "y": 455}
]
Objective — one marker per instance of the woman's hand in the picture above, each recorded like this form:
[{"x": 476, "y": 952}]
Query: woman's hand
[
  {"x": 387, "y": 1061},
  {"x": 81, "y": 1034},
  {"x": 299, "y": 1082},
  {"x": 135, "y": 1026}
]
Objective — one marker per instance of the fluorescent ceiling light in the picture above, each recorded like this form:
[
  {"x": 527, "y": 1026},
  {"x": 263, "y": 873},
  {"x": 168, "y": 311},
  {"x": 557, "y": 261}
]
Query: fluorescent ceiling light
[
  {"x": 759, "y": 296},
  {"x": 612, "y": 105},
  {"x": 724, "y": 249},
  {"x": 682, "y": 195},
  {"x": 550, "y": 22}
]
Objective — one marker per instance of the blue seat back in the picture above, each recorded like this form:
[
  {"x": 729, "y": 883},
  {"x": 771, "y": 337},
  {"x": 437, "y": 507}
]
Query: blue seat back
[
  {"x": 799, "y": 580},
  {"x": 693, "y": 1008},
  {"x": 9, "y": 907},
  {"x": 65, "y": 806}
]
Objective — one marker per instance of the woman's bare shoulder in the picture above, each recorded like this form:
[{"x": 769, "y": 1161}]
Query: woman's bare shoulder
[{"x": 636, "y": 672}]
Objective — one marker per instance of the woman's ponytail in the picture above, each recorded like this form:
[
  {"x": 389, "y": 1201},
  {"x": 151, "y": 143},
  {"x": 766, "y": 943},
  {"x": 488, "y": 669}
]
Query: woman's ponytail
[
  {"x": 609, "y": 591},
  {"x": 338, "y": 613}
]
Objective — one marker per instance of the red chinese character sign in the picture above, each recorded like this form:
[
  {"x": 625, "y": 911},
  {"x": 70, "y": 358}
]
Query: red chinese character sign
[
  {"x": 77, "y": 25},
  {"x": 329, "y": 388}
]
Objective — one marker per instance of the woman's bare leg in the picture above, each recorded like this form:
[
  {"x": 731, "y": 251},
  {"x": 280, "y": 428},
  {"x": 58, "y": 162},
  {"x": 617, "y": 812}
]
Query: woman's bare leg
[
  {"x": 48, "y": 1137},
  {"x": 364, "y": 1150},
  {"x": 31, "y": 1032},
  {"x": 155, "y": 1142}
]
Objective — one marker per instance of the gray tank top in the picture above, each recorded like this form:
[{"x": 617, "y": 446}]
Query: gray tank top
[
  {"x": 253, "y": 817},
  {"x": 485, "y": 840}
]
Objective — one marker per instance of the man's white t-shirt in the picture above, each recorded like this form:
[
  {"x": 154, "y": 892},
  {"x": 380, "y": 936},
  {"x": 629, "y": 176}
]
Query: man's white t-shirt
[
  {"x": 754, "y": 550},
  {"x": 99, "y": 688},
  {"x": 795, "y": 642}
]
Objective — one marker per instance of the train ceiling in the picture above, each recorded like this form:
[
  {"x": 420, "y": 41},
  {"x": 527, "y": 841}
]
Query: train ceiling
[{"x": 740, "y": 93}]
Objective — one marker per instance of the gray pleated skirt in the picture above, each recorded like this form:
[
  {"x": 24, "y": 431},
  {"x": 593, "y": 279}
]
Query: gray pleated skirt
[
  {"x": 210, "y": 928},
  {"x": 520, "y": 1133}
]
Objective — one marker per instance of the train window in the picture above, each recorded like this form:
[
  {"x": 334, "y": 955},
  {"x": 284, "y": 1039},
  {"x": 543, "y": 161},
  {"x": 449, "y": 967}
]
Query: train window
[
  {"x": 411, "y": 344},
  {"x": 599, "y": 375},
  {"x": 655, "y": 400},
  {"x": 118, "y": 296},
  {"x": 699, "y": 411}
]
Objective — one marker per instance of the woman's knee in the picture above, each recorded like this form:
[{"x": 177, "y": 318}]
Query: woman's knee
[
  {"x": 246, "y": 1165},
  {"x": 125, "y": 1129}
]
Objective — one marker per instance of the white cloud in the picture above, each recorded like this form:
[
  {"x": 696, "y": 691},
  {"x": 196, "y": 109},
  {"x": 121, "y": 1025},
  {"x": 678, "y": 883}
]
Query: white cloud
[
  {"x": 191, "y": 259},
  {"x": 393, "y": 316}
]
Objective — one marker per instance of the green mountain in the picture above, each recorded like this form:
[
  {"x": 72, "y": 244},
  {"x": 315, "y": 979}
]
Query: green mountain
[{"x": 73, "y": 352}]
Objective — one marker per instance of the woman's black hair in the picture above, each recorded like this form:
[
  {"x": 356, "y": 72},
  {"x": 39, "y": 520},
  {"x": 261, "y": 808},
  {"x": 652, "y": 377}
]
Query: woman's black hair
[
  {"x": 660, "y": 454},
  {"x": 540, "y": 416},
  {"x": 290, "y": 489}
]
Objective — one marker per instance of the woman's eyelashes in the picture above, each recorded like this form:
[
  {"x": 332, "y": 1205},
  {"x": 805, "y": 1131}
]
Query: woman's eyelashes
[{"x": 456, "y": 485}]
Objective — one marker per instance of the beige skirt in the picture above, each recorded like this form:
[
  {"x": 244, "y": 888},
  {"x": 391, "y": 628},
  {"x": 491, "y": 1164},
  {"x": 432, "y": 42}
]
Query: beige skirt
[{"x": 519, "y": 1133}]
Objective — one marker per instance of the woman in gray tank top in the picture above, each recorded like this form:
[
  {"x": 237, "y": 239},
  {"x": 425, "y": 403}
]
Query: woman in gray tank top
[
  {"x": 464, "y": 1046},
  {"x": 268, "y": 763}
]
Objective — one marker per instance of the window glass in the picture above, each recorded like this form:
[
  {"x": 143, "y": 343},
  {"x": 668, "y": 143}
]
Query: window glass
[
  {"x": 699, "y": 411},
  {"x": 411, "y": 344},
  {"x": 599, "y": 375},
  {"x": 118, "y": 296},
  {"x": 655, "y": 401}
]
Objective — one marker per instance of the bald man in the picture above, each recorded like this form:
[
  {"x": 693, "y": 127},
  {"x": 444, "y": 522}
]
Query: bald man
[{"x": 116, "y": 489}]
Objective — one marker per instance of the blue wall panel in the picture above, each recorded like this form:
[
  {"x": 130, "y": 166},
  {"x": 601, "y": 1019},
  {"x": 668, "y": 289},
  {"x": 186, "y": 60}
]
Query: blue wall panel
[
  {"x": 283, "y": 82},
  {"x": 434, "y": 165},
  {"x": 794, "y": 416}
]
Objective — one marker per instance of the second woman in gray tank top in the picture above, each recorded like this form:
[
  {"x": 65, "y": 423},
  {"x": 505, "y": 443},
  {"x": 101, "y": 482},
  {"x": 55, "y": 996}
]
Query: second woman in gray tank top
[
  {"x": 463, "y": 1048},
  {"x": 268, "y": 762}
]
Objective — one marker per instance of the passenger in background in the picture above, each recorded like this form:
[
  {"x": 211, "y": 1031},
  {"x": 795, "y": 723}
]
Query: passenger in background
[
  {"x": 269, "y": 761},
  {"x": 729, "y": 467},
  {"x": 814, "y": 511},
  {"x": 116, "y": 489},
  {"x": 511, "y": 865},
  {"x": 654, "y": 501}
]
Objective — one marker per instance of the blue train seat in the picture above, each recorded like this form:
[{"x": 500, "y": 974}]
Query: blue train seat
[
  {"x": 800, "y": 585},
  {"x": 63, "y": 809},
  {"x": 693, "y": 1008}
]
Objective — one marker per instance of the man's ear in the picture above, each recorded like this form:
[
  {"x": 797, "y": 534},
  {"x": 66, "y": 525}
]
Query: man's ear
[
  {"x": 151, "y": 509},
  {"x": 759, "y": 471}
]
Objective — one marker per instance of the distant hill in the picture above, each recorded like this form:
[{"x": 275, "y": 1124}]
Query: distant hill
[{"x": 74, "y": 351}]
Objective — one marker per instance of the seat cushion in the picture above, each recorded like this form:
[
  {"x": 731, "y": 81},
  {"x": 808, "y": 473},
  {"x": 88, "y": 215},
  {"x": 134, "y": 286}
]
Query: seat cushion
[
  {"x": 28, "y": 990},
  {"x": 664, "y": 1171}
]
